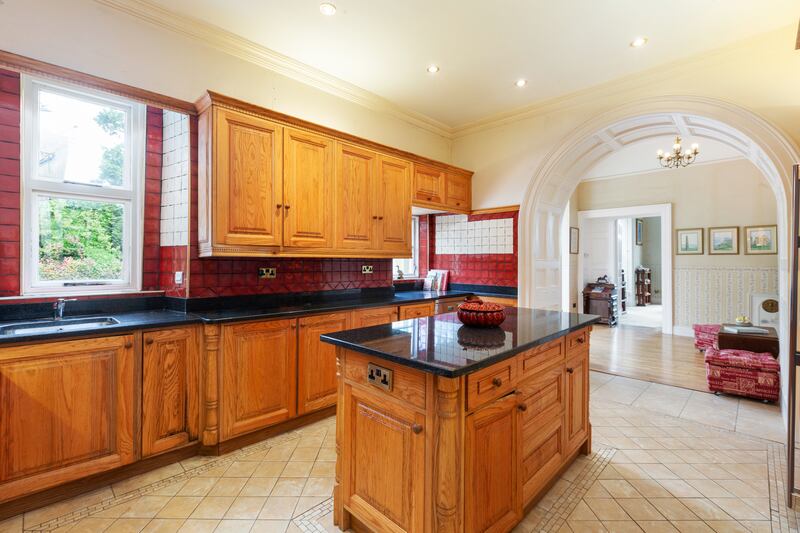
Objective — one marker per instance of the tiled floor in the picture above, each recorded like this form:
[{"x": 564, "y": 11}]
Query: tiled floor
[{"x": 665, "y": 459}]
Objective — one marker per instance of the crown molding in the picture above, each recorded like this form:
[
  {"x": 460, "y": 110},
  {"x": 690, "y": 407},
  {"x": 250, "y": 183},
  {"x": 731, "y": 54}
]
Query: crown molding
[{"x": 245, "y": 49}]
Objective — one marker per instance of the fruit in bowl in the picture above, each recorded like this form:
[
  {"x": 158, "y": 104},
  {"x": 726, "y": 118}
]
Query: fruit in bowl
[
  {"x": 480, "y": 314},
  {"x": 743, "y": 320}
]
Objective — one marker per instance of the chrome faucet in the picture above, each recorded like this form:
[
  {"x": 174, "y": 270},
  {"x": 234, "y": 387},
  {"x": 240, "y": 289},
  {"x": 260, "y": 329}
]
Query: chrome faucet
[{"x": 58, "y": 307}]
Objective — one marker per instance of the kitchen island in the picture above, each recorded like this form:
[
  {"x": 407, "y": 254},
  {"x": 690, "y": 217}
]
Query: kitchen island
[{"x": 443, "y": 427}]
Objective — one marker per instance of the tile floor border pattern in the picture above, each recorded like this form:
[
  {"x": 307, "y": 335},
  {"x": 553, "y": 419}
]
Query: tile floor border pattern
[
  {"x": 308, "y": 522},
  {"x": 209, "y": 463}
]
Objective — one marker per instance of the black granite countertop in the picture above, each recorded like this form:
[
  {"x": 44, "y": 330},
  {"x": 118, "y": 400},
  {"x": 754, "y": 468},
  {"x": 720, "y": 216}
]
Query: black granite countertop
[
  {"x": 442, "y": 345},
  {"x": 137, "y": 314}
]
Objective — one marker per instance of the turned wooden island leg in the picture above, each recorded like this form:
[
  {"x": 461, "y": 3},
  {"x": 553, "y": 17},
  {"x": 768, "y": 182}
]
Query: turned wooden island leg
[
  {"x": 341, "y": 518},
  {"x": 448, "y": 457},
  {"x": 211, "y": 385}
]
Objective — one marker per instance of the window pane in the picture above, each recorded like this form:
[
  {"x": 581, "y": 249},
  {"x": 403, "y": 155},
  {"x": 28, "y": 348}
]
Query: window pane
[
  {"x": 79, "y": 240},
  {"x": 81, "y": 141}
]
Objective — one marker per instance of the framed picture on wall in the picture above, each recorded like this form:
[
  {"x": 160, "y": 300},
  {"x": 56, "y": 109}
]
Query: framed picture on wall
[
  {"x": 639, "y": 231},
  {"x": 573, "y": 240},
  {"x": 723, "y": 241},
  {"x": 689, "y": 241},
  {"x": 761, "y": 240}
]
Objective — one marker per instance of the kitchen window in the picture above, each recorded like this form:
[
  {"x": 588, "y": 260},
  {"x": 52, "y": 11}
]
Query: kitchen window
[
  {"x": 83, "y": 178},
  {"x": 409, "y": 266}
]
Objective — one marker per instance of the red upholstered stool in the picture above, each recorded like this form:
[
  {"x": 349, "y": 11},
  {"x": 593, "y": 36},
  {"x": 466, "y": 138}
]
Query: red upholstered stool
[
  {"x": 705, "y": 336},
  {"x": 750, "y": 374}
]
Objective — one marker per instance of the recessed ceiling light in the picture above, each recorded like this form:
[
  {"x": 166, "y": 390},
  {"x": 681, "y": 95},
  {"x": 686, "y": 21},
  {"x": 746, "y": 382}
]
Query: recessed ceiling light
[
  {"x": 433, "y": 69},
  {"x": 327, "y": 9},
  {"x": 638, "y": 42},
  {"x": 522, "y": 82}
]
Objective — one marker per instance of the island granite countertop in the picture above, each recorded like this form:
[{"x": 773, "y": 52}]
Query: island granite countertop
[{"x": 443, "y": 346}]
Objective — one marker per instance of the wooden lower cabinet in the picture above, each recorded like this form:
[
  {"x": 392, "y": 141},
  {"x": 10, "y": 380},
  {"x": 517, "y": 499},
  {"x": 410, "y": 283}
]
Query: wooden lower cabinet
[
  {"x": 316, "y": 361},
  {"x": 416, "y": 310},
  {"x": 170, "y": 389},
  {"x": 386, "y": 441},
  {"x": 492, "y": 496},
  {"x": 68, "y": 411},
  {"x": 577, "y": 394},
  {"x": 258, "y": 375},
  {"x": 374, "y": 316}
]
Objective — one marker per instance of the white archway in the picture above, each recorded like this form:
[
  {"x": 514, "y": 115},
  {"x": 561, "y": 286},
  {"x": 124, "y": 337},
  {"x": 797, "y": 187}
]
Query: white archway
[{"x": 559, "y": 174}]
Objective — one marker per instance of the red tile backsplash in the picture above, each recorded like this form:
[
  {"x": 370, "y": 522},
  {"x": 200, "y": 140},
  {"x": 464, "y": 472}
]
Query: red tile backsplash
[
  {"x": 152, "y": 201},
  {"x": 474, "y": 269},
  {"x": 9, "y": 183},
  {"x": 173, "y": 259}
]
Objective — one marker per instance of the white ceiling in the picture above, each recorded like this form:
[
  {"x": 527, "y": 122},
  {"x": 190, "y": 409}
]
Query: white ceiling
[{"x": 482, "y": 47}]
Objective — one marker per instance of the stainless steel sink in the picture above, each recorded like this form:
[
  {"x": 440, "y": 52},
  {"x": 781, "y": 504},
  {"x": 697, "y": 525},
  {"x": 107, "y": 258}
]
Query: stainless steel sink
[{"x": 43, "y": 327}]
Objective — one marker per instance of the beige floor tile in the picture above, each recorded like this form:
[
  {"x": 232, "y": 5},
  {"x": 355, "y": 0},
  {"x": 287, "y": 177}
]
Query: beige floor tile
[
  {"x": 639, "y": 456},
  {"x": 258, "y": 486},
  {"x": 326, "y": 454},
  {"x": 304, "y": 503},
  {"x": 323, "y": 469},
  {"x": 88, "y": 525},
  {"x": 685, "y": 471},
  {"x": 649, "y": 488},
  {"x": 198, "y": 486},
  {"x": 194, "y": 525},
  {"x": 234, "y": 526},
  {"x": 672, "y": 509},
  {"x": 289, "y": 486},
  {"x": 304, "y": 454},
  {"x": 692, "y": 526},
  {"x": 582, "y": 513},
  {"x": 658, "y": 471},
  {"x": 11, "y": 525},
  {"x": 164, "y": 525},
  {"x": 170, "y": 489},
  {"x": 727, "y": 526},
  {"x": 270, "y": 526},
  {"x": 619, "y": 488},
  {"x": 587, "y": 527},
  {"x": 597, "y": 490},
  {"x": 147, "y": 478},
  {"x": 312, "y": 441},
  {"x": 714, "y": 472},
  {"x": 618, "y": 526},
  {"x": 737, "y": 509},
  {"x": 279, "y": 453},
  {"x": 631, "y": 471},
  {"x": 279, "y": 508},
  {"x": 241, "y": 469},
  {"x": 180, "y": 507},
  {"x": 606, "y": 509},
  {"x": 705, "y": 509},
  {"x": 145, "y": 507},
  {"x": 213, "y": 507},
  {"x": 246, "y": 507},
  {"x": 128, "y": 525},
  {"x": 269, "y": 469},
  {"x": 639, "y": 509},
  {"x": 228, "y": 486},
  {"x": 318, "y": 486},
  {"x": 658, "y": 526},
  {"x": 761, "y": 526},
  {"x": 680, "y": 488},
  {"x": 254, "y": 456},
  {"x": 45, "y": 514},
  {"x": 217, "y": 471}
]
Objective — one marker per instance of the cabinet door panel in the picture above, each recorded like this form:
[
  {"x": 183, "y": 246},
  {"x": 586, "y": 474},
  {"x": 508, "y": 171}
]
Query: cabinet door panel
[
  {"x": 416, "y": 310},
  {"x": 394, "y": 201},
  {"x": 258, "y": 375},
  {"x": 170, "y": 389},
  {"x": 66, "y": 411},
  {"x": 545, "y": 457},
  {"x": 492, "y": 492},
  {"x": 316, "y": 384},
  {"x": 374, "y": 316},
  {"x": 577, "y": 400},
  {"x": 247, "y": 180},
  {"x": 458, "y": 191},
  {"x": 308, "y": 179},
  {"x": 385, "y": 462},
  {"x": 356, "y": 213},
  {"x": 428, "y": 185}
]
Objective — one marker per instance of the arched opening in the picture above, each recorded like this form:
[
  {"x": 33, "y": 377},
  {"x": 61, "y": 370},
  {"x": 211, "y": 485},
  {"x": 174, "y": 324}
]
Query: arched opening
[{"x": 547, "y": 194}]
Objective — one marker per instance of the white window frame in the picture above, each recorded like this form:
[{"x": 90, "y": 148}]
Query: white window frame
[
  {"x": 414, "y": 251},
  {"x": 130, "y": 195}
]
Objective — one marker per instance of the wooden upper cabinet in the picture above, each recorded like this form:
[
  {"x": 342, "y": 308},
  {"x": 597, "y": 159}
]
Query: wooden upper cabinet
[
  {"x": 458, "y": 191},
  {"x": 240, "y": 182},
  {"x": 394, "y": 205},
  {"x": 170, "y": 389},
  {"x": 258, "y": 375},
  {"x": 308, "y": 190},
  {"x": 356, "y": 194},
  {"x": 316, "y": 361},
  {"x": 429, "y": 185},
  {"x": 68, "y": 411}
]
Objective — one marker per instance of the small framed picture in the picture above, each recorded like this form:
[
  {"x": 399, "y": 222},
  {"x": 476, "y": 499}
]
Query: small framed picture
[
  {"x": 689, "y": 241},
  {"x": 639, "y": 231},
  {"x": 573, "y": 240},
  {"x": 723, "y": 241},
  {"x": 761, "y": 240}
]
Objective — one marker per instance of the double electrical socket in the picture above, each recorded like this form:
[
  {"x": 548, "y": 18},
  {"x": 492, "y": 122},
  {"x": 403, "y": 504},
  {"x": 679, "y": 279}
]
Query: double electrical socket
[
  {"x": 366, "y": 269},
  {"x": 267, "y": 273}
]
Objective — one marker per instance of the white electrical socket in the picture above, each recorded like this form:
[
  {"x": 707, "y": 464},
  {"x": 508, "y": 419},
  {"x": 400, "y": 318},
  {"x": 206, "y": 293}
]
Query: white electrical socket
[{"x": 179, "y": 277}]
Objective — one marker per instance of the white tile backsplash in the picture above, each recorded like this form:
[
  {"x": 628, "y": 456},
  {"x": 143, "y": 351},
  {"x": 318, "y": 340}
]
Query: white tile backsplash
[
  {"x": 456, "y": 235},
  {"x": 175, "y": 180}
]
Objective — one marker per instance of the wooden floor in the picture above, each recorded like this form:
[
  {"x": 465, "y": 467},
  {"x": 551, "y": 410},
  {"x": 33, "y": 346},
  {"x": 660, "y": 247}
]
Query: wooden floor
[{"x": 646, "y": 354}]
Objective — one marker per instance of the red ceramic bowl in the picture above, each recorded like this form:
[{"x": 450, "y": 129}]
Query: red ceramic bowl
[{"x": 481, "y": 314}]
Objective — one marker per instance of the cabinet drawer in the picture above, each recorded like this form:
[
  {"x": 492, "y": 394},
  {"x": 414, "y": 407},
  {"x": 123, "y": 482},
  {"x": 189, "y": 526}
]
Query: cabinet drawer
[
  {"x": 542, "y": 396},
  {"x": 408, "y": 385},
  {"x": 416, "y": 311},
  {"x": 536, "y": 359},
  {"x": 577, "y": 340},
  {"x": 492, "y": 382},
  {"x": 543, "y": 459}
]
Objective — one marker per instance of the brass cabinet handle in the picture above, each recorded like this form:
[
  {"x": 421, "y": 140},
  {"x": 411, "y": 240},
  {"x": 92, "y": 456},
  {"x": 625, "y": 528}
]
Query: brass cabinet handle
[
  {"x": 581, "y": 340},
  {"x": 429, "y": 198},
  {"x": 497, "y": 382},
  {"x": 129, "y": 344},
  {"x": 278, "y": 206},
  {"x": 416, "y": 428},
  {"x": 570, "y": 370},
  {"x": 148, "y": 341},
  {"x": 380, "y": 218},
  {"x": 522, "y": 407},
  {"x": 294, "y": 325},
  {"x": 287, "y": 206},
  {"x": 374, "y": 217}
]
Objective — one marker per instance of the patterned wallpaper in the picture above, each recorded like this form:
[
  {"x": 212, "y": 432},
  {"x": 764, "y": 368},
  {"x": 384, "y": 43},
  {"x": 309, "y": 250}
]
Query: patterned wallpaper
[{"x": 707, "y": 294}]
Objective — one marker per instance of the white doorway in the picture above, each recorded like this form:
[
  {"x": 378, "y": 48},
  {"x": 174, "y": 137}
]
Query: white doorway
[{"x": 607, "y": 244}]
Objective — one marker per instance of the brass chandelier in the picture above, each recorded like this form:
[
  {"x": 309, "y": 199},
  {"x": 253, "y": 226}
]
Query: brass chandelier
[{"x": 678, "y": 157}]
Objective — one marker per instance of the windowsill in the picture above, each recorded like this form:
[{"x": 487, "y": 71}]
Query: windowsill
[{"x": 110, "y": 294}]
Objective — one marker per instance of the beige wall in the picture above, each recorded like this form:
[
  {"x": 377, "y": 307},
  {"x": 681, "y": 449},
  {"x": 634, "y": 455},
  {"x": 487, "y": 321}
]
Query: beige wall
[
  {"x": 707, "y": 288},
  {"x": 85, "y": 36}
]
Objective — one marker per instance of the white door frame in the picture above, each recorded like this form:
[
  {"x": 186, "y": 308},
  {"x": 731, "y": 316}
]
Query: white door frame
[{"x": 639, "y": 211}]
